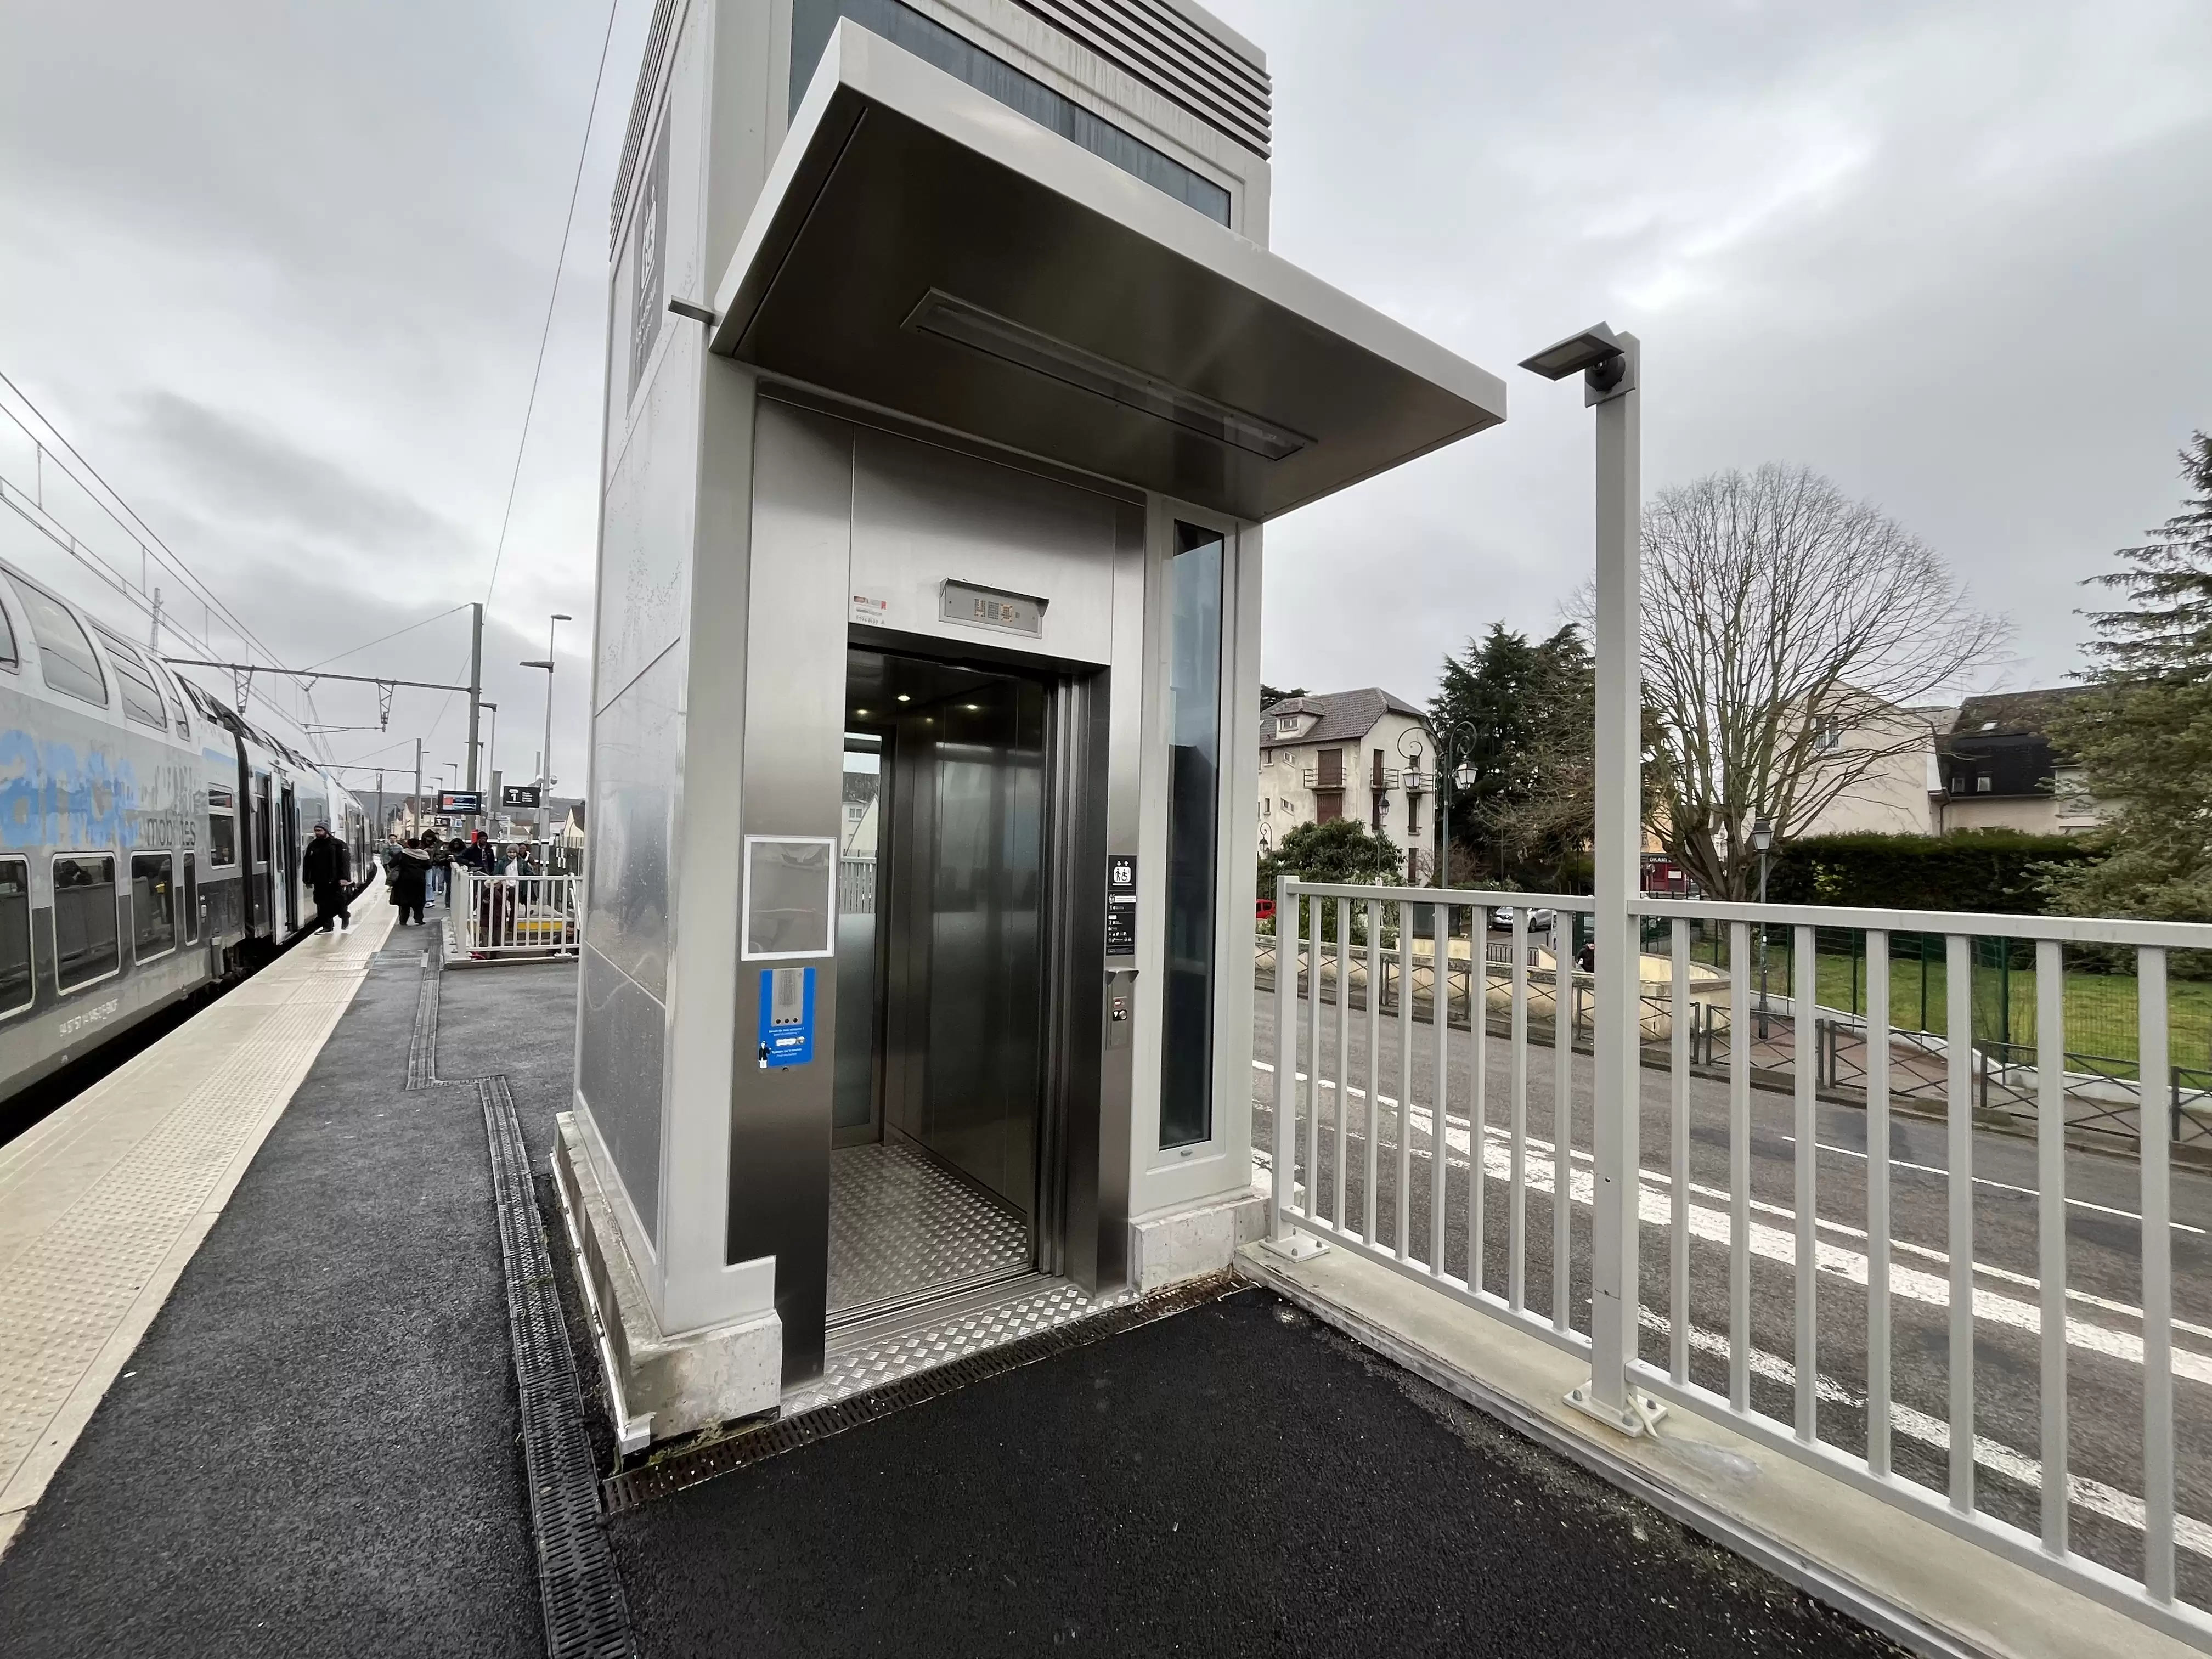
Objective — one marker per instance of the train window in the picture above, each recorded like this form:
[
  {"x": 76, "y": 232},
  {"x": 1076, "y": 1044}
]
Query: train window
[
  {"x": 66, "y": 655},
  {"x": 142, "y": 698},
  {"x": 191, "y": 900},
  {"x": 9, "y": 658},
  {"x": 222, "y": 829},
  {"x": 176, "y": 703},
  {"x": 86, "y": 944},
  {"x": 15, "y": 988},
  {"x": 153, "y": 906}
]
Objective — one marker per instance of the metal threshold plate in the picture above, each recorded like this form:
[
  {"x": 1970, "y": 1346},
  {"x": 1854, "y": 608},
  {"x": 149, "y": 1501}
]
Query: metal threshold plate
[{"x": 921, "y": 248}]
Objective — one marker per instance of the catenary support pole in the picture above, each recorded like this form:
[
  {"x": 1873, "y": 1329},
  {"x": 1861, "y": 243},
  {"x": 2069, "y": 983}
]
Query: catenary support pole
[{"x": 475, "y": 689}]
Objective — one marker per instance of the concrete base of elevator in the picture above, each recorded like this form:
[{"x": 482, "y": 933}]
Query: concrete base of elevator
[{"x": 658, "y": 1385}]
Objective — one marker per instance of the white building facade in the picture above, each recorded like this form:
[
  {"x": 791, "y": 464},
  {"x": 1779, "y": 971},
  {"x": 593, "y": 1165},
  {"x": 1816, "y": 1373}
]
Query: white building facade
[{"x": 1363, "y": 754}]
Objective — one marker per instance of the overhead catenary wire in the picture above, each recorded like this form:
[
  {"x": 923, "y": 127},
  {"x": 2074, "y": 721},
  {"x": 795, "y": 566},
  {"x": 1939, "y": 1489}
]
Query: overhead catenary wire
[
  {"x": 168, "y": 557},
  {"x": 544, "y": 334}
]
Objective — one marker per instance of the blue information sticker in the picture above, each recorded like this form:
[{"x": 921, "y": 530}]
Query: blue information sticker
[{"x": 787, "y": 1016}]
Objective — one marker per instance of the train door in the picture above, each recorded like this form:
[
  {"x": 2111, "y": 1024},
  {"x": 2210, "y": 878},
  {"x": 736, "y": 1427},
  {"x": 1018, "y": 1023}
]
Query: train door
[
  {"x": 264, "y": 862},
  {"x": 288, "y": 821}
]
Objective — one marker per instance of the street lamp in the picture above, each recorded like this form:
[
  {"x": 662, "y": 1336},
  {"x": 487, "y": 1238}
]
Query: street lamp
[
  {"x": 1762, "y": 837},
  {"x": 1462, "y": 773},
  {"x": 545, "y": 761},
  {"x": 1412, "y": 735},
  {"x": 1609, "y": 363}
]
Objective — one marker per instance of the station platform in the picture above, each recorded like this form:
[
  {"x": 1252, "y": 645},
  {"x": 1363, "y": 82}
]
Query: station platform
[{"x": 274, "y": 1385}]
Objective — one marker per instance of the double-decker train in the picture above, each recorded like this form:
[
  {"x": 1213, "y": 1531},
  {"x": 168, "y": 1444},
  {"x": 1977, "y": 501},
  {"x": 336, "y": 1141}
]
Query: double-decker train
[{"x": 150, "y": 837}]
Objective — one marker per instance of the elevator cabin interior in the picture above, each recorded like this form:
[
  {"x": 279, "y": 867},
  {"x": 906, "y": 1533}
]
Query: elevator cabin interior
[{"x": 941, "y": 974}]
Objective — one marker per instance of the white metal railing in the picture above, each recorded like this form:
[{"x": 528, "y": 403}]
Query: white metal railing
[
  {"x": 517, "y": 915},
  {"x": 856, "y": 884},
  {"x": 1831, "y": 1268}
]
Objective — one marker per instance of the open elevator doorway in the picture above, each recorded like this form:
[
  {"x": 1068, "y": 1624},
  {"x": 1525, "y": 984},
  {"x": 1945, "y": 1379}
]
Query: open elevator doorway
[{"x": 941, "y": 976}]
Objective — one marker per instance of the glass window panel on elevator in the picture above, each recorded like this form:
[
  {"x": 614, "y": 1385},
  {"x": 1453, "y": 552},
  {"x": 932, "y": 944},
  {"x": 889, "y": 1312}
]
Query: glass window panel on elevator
[
  {"x": 812, "y": 22},
  {"x": 1194, "y": 803}
]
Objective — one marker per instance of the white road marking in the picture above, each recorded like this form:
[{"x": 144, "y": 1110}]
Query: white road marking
[
  {"x": 1841, "y": 1151},
  {"x": 2094, "y": 1496},
  {"x": 1775, "y": 1245}
]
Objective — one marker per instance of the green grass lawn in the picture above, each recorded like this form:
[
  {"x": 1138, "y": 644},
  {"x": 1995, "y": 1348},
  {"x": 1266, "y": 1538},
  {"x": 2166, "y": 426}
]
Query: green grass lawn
[{"x": 2100, "y": 1008}]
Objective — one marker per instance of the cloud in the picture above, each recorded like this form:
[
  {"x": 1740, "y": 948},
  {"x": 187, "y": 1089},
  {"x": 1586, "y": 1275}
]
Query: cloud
[
  {"x": 1944, "y": 252},
  {"x": 255, "y": 479}
]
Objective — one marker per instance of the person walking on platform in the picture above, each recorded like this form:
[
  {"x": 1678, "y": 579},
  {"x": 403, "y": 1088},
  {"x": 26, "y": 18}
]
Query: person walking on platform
[
  {"x": 434, "y": 877},
  {"x": 326, "y": 868},
  {"x": 407, "y": 868}
]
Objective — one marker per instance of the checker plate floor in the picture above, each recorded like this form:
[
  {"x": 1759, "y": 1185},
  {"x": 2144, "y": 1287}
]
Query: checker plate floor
[{"x": 901, "y": 1226}]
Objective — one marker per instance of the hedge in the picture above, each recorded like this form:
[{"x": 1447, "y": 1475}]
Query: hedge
[{"x": 1985, "y": 870}]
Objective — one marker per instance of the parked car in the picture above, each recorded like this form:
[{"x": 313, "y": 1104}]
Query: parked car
[
  {"x": 1539, "y": 922},
  {"x": 1265, "y": 911}
]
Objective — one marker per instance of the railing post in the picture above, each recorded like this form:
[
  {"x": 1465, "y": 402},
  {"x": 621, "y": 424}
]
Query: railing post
[
  {"x": 1282, "y": 1239},
  {"x": 1616, "y": 981}
]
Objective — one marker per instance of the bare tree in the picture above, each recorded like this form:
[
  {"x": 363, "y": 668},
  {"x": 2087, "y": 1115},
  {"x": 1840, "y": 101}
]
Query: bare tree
[{"x": 1779, "y": 614}]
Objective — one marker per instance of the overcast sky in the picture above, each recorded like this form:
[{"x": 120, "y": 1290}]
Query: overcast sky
[{"x": 280, "y": 272}]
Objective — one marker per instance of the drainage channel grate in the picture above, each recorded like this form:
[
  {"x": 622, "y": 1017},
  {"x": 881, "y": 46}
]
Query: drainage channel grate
[
  {"x": 690, "y": 1466},
  {"x": 586, "y": 1614},
  {"x": 422, "y": 1043}
]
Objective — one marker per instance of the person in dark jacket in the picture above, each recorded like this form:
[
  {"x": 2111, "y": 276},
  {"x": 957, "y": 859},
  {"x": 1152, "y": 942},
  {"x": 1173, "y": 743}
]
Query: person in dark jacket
[
  {"x": 327, "y": 870},
  {"x": 407, "y": 868}
]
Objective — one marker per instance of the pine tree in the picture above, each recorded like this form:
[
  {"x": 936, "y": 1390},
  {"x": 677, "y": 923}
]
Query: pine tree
[{"x": 2145, "y": 747}]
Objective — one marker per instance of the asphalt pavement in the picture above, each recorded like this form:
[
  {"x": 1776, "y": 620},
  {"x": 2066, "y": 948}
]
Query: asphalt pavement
[{"x": 2105, "y": 1368}]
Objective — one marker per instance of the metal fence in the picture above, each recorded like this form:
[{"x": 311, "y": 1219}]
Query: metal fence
[
  {"x": 517, "y": 915},
  {"x": 856, "y": 884},
  {"x": 1342, "y": 1155}
]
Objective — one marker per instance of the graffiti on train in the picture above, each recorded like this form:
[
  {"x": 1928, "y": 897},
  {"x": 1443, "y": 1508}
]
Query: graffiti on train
[{"x": 52, "y": 796}]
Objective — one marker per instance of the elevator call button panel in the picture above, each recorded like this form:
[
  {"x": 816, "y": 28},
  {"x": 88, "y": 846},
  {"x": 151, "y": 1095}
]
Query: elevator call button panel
[{"x": 787, "y": 1016}]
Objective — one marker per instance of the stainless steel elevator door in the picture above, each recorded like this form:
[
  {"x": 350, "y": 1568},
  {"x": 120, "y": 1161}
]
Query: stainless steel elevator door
[
  {"x": 959, "y": 887},
  {"x": 986, "y": 966}
]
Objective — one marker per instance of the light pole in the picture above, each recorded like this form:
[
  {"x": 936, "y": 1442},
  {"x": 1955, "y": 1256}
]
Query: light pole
[
  {"x": 1762, "y": 837},
  {"x": 545, "y": 761},
  {"x": 1462, "y": 777},
  {"x": 491, "y": 744},
  {"x": 1607, "y": 363},
  {"x": 1412, "y": 735}
]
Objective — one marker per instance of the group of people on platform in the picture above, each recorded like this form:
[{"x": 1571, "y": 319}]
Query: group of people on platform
[{"x": 418, "y": 869}]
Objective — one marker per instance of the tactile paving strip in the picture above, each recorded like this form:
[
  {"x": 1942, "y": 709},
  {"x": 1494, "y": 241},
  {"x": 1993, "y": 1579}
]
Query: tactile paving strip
[{"x": 901, "y": 1225}]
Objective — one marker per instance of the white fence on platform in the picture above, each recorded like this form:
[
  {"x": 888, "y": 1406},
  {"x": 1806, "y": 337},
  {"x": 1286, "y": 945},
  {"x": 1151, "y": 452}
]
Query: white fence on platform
[
  {"x": 516, "y": 915},
  {"x": 1353, "y": 962}
]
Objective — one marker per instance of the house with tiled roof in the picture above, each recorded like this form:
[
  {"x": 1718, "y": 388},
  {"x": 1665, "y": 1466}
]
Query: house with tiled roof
[{"x": 1363, "y": 754}]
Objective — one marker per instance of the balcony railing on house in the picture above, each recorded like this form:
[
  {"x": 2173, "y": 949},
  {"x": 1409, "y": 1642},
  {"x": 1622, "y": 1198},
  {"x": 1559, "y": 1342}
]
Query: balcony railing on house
[
  {"x": 1322, "y": 779},
  {"x": 1910, "y": 1370}
]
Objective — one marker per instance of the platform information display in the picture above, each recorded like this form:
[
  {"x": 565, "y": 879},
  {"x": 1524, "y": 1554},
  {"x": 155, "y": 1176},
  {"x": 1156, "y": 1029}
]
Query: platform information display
[{"x": 465, "y": 802}]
